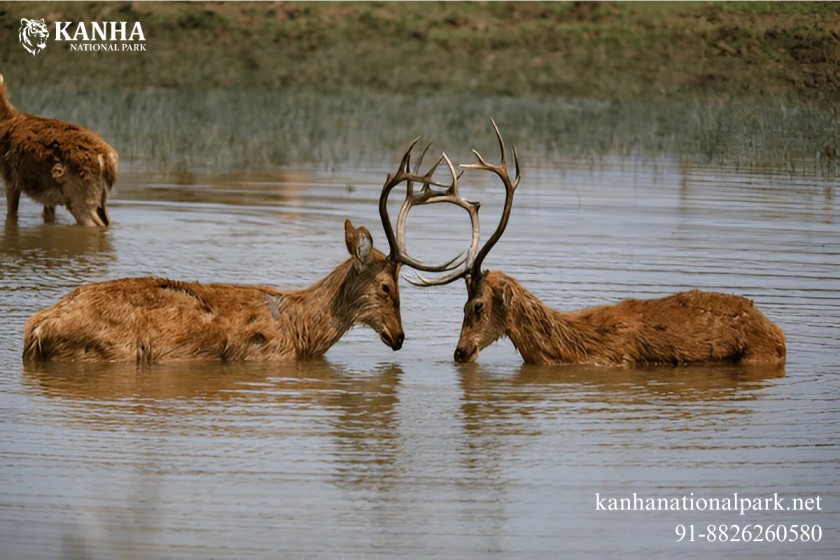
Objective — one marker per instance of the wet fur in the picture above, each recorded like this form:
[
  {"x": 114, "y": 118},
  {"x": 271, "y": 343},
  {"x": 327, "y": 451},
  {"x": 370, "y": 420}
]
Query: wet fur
[
  {"x": 56, "y": 164},
  {"x": 158, "y": 320},
  {"x": 691, "y": 327}
]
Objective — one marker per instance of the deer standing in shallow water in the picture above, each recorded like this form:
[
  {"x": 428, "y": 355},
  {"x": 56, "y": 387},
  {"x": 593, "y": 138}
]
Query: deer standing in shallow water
[
  {"x": 156, "y": 319},
  {"x": 56, "y": 163},
  {"x": 691, "y": 327}
]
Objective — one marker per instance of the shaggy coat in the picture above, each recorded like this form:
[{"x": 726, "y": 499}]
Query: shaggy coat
[
  {"x": 55, "y": 163},
  {"x": 157, "y": 320},
  {"x": 686, "y": 328}
]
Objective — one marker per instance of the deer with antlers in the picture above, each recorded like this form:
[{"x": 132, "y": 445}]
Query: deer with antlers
[
  {"x": 693, "y": 327},
  {"x": 157, "y": 320}
]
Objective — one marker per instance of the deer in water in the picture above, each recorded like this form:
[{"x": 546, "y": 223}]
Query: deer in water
[
  {"x": 156, "y": 319},
  {"x": 693, "y": 327},
  {"x": 56, "y": 163}
]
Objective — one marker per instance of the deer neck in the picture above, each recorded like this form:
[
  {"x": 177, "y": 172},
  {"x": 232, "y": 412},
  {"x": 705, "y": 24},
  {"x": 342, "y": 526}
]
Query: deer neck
[
  {"x": 318, "y": 316},
  {"x": 541, "y": 334}
]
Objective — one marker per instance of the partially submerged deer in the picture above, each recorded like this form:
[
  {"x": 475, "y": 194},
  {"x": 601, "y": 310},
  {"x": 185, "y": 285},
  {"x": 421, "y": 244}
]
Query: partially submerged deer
[
  {"x": 55, "y": 163},
  {"x": 156, "y": 319},
  {"x": 691, "y": 327}
]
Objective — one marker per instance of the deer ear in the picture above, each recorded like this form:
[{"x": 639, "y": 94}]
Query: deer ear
[
  {"x": 507, "y": 294},
  {"x": 359, "y": 243}
]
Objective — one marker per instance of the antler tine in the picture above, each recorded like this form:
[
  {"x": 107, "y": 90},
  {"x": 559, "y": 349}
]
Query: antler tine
[
  {"x": 409, "y": 184},
  {"x": 510, "y": 186},
  {"x": 420, "y": 159},
  {"x": 391, "y": 181},
  {"x": 428, "y": 196}
]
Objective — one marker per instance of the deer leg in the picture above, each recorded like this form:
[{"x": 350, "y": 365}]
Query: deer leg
[
  {"x": 49, "y": 214},
  {"x": 12, "y": 200}
]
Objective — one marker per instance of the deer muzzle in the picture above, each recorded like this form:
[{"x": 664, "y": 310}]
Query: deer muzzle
[
  {"x": 394, "y": 341},
  {"x": 465, "y": 355}
]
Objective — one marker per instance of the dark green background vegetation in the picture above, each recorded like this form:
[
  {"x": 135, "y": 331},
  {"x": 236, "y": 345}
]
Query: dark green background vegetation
[
  {"x": 601, "y": 50},
  {"x": 244, "y": 87}
]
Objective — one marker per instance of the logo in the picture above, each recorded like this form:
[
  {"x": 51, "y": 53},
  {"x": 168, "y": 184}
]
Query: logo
[
  {"x": 33, "y": 34},
  {"x": 83, "y": 36},
  {"x": 99, "y": 36}
]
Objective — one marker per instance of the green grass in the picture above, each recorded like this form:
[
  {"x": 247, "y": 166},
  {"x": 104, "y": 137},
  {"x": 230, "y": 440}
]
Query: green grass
[{"x": 639, "y": 51}]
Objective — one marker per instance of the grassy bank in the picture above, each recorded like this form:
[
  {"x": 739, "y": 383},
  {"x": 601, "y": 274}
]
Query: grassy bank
[
  {"x": 225, "y": 87},
  {"x": 598, "y": 51}
]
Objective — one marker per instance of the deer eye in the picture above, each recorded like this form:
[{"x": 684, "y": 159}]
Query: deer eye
[
  {"x": 479, "y": 307},
  {"x": 386, "y": 288}
]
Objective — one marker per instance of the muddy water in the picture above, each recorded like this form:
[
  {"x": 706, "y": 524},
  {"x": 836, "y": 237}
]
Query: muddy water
[{"x": 370, "y": 452}]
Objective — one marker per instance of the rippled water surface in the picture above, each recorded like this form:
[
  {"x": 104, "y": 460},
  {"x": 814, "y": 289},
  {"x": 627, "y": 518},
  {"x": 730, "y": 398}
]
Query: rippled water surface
[{"x": 370, "y": 452}]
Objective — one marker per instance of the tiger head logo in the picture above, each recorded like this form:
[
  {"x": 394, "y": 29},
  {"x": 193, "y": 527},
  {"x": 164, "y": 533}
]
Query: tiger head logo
[{"x": 33, "y": 34}]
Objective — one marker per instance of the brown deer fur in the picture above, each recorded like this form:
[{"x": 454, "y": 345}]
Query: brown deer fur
[
  {"x": 56, "y": 163},
  {"x": 155, "y": 319},
  {"x": 686, "y": 328}
]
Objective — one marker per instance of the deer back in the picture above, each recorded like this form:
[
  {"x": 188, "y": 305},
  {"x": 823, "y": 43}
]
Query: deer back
[
  {"x": 156, "y": 319},
  {"x": 684, "y": 328}
]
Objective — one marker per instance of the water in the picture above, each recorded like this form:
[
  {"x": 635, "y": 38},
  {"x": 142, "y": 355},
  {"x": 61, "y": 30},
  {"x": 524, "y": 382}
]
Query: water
[{"x": 372, "y": 453}]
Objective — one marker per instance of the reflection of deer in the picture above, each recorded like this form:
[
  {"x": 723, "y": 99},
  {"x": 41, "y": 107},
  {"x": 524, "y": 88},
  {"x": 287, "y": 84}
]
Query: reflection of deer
[
  {"x": 155, "y": 319},
  {"x": 490, "y": 398},
  {"x": 37, "y": 250},
  {"x": 56, "y": 163},
  {"x": 316, "y": 383},
  {"x": 684, "y": 328}
]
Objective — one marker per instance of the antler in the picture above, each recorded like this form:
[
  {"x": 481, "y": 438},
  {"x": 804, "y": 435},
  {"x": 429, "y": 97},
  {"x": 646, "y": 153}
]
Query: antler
[
  {"x": 427, "y": 195},
  {"x": 472, "y": 262},
  {"x": 457, "y": 266}
]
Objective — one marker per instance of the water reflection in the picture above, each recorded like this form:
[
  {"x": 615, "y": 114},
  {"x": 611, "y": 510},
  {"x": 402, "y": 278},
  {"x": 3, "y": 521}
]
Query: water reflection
[
  {"x": 53, "y": 250},
  {"x": 366, "y": 431},
  {"x": 284, "y": 189},
  {"x": 105, "y": 382},
  {"x": 497, "y": 406},
  {"x": 778, "y": 197},
  {"x": 579, "y": 422},
  {"x": 175, "y": 427},
  {"x": 580, "y": 384},
  {"x": 296, "y": 382},
  {"x": 356, "y": 408}
]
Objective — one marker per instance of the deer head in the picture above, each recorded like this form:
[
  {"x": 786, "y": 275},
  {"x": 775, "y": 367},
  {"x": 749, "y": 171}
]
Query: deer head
[
  {"x": 374, "y": 288},
  {"x": 485, "y": 317}
]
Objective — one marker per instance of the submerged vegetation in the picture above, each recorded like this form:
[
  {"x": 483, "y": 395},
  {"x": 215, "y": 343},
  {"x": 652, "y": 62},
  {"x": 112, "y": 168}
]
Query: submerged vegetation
[{"x": 239, "y": 86}]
